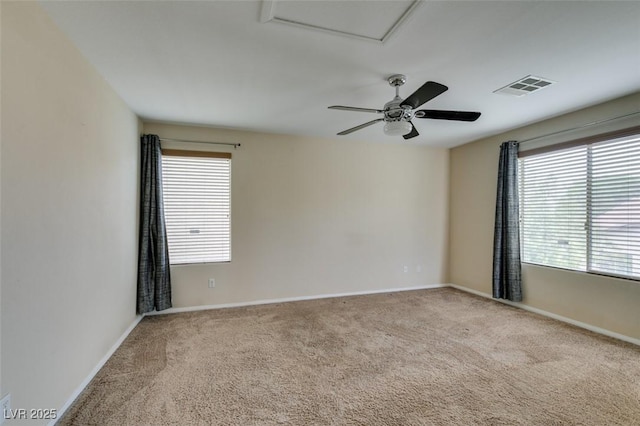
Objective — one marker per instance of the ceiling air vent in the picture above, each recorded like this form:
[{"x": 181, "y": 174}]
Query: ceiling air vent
[{"x": 525, "y": 85}]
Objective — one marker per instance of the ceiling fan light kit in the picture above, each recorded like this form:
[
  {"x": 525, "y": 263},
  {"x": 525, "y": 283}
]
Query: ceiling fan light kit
[
  {"x": 399, "y": 112},
  {"x": 397, "y": 128}
]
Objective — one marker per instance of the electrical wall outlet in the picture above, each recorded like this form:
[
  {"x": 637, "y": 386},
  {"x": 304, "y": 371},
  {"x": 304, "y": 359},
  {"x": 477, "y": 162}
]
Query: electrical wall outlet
[
  {"x": 212, "y": 282},
  {"x": 405, "y": 269},
  {"x": 5, "y": 408}
]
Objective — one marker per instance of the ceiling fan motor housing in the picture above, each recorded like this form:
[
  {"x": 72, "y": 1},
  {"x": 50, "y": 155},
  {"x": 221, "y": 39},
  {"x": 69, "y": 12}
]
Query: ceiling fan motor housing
[{"x": 393, "y": 111}]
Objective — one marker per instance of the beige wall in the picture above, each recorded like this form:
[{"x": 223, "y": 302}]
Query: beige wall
[
  {"x": 69, "y": 186},
  {"x": 313, "y": 217},
  {"x": 608, "y": 303}
]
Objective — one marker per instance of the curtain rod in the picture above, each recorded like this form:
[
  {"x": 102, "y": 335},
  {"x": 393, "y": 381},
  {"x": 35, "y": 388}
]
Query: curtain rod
[
  {"x": 579, "y": 127},
  {"x": 234, "y": 145}
]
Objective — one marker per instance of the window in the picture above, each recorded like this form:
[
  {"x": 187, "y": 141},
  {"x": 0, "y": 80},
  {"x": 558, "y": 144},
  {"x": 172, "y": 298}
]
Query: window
[
  {"x": 580, "y": 205},
  {"x": 197, "y": 205}
]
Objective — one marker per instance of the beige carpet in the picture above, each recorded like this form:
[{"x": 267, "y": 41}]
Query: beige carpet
[{"x": 429, "y": 357}]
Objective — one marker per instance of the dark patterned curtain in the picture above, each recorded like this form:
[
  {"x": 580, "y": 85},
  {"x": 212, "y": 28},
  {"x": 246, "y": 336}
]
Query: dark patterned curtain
[
  {"x": 154, "y": 278},
  {"x": 507, "y": 278}
]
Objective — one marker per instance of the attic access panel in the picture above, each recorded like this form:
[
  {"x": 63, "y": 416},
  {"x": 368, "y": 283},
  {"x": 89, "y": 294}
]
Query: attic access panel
[{"x": 373, "y": 21}]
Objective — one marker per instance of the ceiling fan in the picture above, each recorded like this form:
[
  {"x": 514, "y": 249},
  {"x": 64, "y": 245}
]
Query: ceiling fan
[{"x": 398, "y": 113}]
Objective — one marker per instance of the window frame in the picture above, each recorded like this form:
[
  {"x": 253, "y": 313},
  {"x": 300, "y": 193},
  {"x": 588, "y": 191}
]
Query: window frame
[{"x": 631, "y": 132}]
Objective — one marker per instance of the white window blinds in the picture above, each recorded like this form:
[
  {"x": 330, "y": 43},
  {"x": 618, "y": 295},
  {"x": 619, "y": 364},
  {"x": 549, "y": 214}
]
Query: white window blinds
[
  {"x": 552, "y": 208},
  {"x": 580, "y": 207},
  {"x": 197, "y": 202},
  {"x": 614, "y": 207}
]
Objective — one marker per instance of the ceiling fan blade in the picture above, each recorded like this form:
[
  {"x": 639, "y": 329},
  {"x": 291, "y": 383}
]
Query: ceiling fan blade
[
  {"x": 447, "y": 115},
  {"x": 412, "y": 134},
  {"x": 348, "y": 108},
  {"x": 428, "y": 91},
  {"x": 362, "y": 126}
]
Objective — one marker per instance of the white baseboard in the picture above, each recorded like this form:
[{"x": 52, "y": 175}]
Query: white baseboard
[
  {"x": 289, "y": 299},
  {"x": 95, "y": 370},
  {"x": 552, "y": 315}
]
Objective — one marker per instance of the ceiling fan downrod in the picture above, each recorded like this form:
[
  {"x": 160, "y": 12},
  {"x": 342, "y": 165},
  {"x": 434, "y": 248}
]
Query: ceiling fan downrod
[{"x": 396, "y": 81}]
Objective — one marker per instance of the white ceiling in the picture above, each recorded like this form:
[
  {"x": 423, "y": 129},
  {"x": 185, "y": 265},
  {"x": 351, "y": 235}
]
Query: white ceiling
[{"x": 215, "y": 63}]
